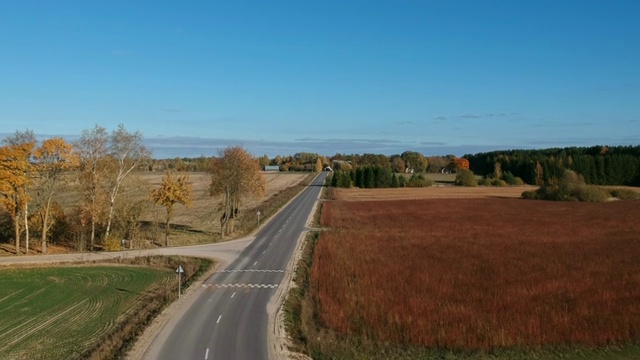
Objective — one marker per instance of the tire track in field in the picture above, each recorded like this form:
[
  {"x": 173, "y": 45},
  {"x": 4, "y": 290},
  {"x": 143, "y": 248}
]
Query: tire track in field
[
  {"x": 21, "y": 335},
  {"x": 9, "y": 324},
  {"x": 11, "y": 295},
  {"x": 70, "y": 331}
]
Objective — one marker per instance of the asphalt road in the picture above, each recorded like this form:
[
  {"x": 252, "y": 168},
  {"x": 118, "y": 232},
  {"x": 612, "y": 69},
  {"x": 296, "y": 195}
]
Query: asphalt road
[{"x": 228, "y": 318}]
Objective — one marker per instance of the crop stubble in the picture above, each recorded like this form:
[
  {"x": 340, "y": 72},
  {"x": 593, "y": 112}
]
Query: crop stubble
[{"x": 480, "y": 273}]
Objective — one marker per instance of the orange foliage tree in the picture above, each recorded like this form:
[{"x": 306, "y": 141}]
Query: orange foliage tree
[
  {"x": 461, "y": 163},
  {"x": 235, "y": 175},
  {"x": 174, "y": 190},
  {"x": 52, "y": 159},
  {"x": 14, "y": 180}
]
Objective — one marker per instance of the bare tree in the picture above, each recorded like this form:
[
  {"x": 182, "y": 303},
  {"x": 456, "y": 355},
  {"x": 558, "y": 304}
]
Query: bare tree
[
  {"x": 127, "y": 151},
  {"x": 235, "y": 175},
  {"x": 133, "y": 203},
  {"x": 93, "y": 149}
]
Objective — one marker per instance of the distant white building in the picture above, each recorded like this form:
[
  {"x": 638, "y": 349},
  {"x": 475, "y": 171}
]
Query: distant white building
[{"x": 273, "y": 168}]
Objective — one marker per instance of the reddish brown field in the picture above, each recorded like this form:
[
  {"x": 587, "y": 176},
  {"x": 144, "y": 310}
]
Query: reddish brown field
[{"x": 480, "y": 273}]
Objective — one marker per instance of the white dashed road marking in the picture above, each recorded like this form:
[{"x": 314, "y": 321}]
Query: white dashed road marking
[
  {"x": 251, "y": 286},
  {"x": 250, "y": 270}
]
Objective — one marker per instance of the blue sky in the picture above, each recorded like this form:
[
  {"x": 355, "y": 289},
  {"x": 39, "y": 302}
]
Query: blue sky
[{"x": 280, "y": 77}]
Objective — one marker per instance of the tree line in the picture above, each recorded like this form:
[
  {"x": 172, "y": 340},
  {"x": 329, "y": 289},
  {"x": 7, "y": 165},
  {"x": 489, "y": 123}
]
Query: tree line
[
  {"x": 99, "y": 173},
  {"x": 375, "y": 176},
  {"x": 407, "y": 162},
  {"x": 598, "y": 165}
]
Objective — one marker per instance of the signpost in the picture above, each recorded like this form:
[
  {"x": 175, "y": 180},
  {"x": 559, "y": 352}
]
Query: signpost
[
  {"x": 179, "y": 271},
  {"x": 258, "y": 218}
]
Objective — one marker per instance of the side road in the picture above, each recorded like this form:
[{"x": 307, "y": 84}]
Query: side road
[{"x": 224, "y": 252}]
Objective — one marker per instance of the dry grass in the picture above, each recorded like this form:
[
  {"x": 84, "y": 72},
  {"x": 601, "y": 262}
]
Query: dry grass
[
  {"x": 433, "y": 192},
  {"x": 196, "y": 224},
  {"x": 477, "y": 274},
  {"x": 203, "y": 213}
]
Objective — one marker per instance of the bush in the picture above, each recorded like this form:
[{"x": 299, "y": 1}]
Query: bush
[
  {"x": 625, "y": 194},
  {"x": 485, "y": 181},
  {"x": 112, "y": 244},
  {"x": 590, "y": 193},
  {"x": 530, "y": 195},
  {"x": 418, "y": 180},
  {"x": 571, "y": 187},
  {"x": 499, "y": 182},
  {"x": 466, "y": 178}
]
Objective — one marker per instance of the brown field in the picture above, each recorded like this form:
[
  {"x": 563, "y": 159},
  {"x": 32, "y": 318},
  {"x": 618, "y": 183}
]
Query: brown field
[
  {"x": 432, "y": 192},
  {"x": 204, "y": 208},
  {"x": 481, "y": 273},
  {"x": 199, "y": 223}
]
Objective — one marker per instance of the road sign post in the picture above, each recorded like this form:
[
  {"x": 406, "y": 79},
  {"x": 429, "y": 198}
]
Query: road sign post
[
  {"x": 258, "y": 217},
  {"x": 179, "y": 271}
]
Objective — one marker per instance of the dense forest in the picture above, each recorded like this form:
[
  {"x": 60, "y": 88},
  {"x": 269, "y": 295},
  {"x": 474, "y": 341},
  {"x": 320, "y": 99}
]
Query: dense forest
[{"x": 599, "y": 165}]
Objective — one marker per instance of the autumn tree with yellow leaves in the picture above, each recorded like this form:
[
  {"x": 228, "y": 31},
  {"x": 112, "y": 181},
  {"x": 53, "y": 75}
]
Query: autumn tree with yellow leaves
[
  {"x": 15, "y": 169},
  {"x": 175, "y": 189},
  {"x": 52, "y": 160},
  {"x": 235, "y": 175}
]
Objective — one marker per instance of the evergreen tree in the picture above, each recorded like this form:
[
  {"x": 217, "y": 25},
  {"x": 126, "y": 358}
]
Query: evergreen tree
[
  {"x": 394, "y": 181},
  {"x": 369, "y": 181}
]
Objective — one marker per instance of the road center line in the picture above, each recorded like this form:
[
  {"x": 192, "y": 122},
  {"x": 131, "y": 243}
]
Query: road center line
[
  {"x": 255, "y": 263},
  {"x": 232, "y": 295},
  {"x": 206, "y": 354},
  {"x": 219, "y": 317}
]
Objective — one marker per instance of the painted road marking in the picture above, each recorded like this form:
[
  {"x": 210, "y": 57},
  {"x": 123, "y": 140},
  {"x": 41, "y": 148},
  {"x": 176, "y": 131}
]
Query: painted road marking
[
  {"x": 206, "y": 354},
  {"x": 219, "y": 317},
  {"x": 249, "y": 270},
  {"x": 237, "y": 285},
  {"x": 234, "y": 294},
  {"x": 255, "y": 263}
]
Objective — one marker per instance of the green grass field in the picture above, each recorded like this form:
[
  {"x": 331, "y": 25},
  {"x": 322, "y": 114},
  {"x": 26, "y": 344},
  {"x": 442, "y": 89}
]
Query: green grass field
[{"x": 63, "y": 312}]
